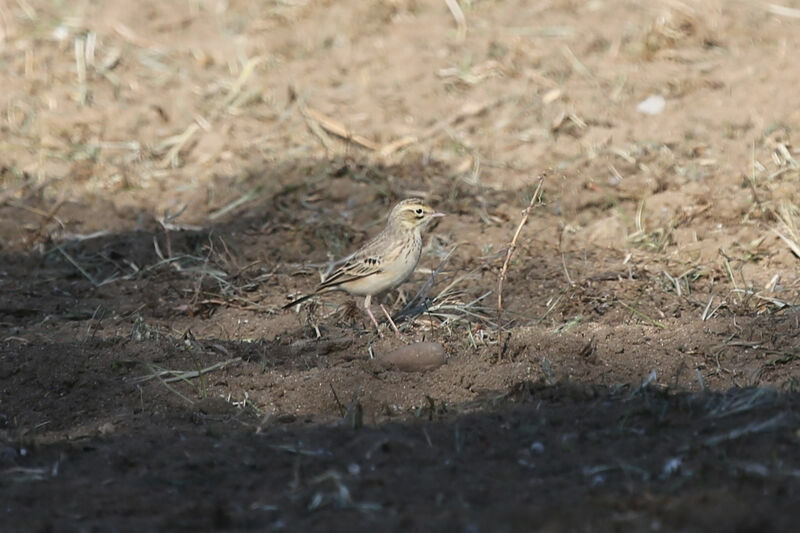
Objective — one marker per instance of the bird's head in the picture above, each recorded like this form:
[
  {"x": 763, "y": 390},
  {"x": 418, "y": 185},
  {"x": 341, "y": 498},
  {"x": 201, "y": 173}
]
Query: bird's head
[{"x": 411, "y": 214}]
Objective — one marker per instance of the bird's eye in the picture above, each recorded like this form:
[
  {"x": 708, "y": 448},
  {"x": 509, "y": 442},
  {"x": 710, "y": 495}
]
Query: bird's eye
[{"x": 418, "y": 211}]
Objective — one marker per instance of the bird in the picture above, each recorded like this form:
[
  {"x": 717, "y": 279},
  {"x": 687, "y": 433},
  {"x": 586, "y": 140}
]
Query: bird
[{"x": 384, "y": 262}]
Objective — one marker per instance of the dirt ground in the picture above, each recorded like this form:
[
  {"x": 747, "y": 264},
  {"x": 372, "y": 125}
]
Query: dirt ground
[{"x": 173, "y": 173}]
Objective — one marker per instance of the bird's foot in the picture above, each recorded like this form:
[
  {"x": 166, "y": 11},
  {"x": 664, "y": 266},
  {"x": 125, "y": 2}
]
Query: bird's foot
[{"x": 372, "y": 317}]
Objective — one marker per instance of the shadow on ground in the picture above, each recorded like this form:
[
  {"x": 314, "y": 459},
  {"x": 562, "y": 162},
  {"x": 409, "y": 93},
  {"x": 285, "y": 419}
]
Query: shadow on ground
[
  {"x": 566, "y": 457},
  {"x": 150, "y": 380}
]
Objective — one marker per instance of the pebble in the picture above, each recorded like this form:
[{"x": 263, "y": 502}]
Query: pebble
[{"x": 416, "y": 357}]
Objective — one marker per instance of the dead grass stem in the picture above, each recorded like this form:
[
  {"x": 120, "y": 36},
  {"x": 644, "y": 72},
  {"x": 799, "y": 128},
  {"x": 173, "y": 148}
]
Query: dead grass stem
[
  {"x": 458, "y": 15},
  {"x": 336, "y": 128},
  {"x": 788, "y": 230},
  {"x": 166, "y": 376},
  {"x": 512, "y": 246}
]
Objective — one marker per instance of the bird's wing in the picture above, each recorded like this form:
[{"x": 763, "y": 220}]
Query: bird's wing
[
  {"x": 350, "y": 268},
  {"x": 353, "y": 268}
]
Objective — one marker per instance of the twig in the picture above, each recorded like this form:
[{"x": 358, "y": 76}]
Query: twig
[
  {"x": 79, "y": 237},
  {"x": 338, "y": 129},
  {"x": 793, "y": 246},
  {"x": 79, "y": 267},
  {"x": 179, "y": 375},
  {"x": 245, "y": 198},
  {"x": 317, "y": 130},
  {"x": 342, "y": 410},
  {"x": 642, "y": 315},
  {"x": 47, "y": 216},
  {"x": 502, "y": 278}
]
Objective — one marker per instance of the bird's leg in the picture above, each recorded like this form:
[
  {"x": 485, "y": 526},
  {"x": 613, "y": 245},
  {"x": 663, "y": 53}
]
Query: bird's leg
[
  {"x": 367, "y": 303},
  {"x": 389, "y": 317}
]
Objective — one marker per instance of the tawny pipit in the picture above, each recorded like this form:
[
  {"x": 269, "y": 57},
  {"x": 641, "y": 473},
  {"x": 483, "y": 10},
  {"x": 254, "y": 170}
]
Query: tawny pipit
[{"x": 384, "y": 262}]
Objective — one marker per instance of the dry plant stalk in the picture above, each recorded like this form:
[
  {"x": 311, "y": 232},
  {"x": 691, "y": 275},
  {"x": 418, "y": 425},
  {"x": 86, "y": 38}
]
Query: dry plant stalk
[
  {"x": 458, "y": 15},
  {"x": 336, "y": 128},
  {"x": 525, "y": 213},
  {"x": 789, "y": 217}
]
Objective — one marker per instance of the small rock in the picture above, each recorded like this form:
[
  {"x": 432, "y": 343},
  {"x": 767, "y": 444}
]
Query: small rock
[
  {"x": 652, "y": 105},
  {"x": 416, "y": 357}
]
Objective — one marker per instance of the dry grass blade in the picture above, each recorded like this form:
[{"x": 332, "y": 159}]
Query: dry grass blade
[
  {"x": 171, "y": 376},
  {"x": 157, "y": 374},
  {"x": 783, "y": 11},
  {"x": 245, "y": 198},
  {"x": 176, "y": 144},
  {"x": 297, "y": 450},
  {"x": 575, "y": 63},
  {"x": 448, "y": 305},
  {"x": 46, "y": 215},
  {"x": 741, "y": 401},
  {"x": 337, "y": 128},
  {"x": 74, "y": 263},
  {"x": 789, "y": 217},
  {"x": 449, "y": 310},
  {"x": 525, "y": 213},
  {"x": 774, "y": 423},
  {"x": 323, "y": 137},
  {"x": 23, "y": 474},
  {"x": 707, "y": 311},
  {"x": 458, "y": 15},
  {"x": 643, "y": 316},
  {"x": 418, "y": 304},
  {"x": 241, "y": 81}
]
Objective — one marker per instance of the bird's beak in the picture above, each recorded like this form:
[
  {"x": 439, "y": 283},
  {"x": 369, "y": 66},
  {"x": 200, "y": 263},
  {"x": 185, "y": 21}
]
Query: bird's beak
[{"x": 437, "y": 215}]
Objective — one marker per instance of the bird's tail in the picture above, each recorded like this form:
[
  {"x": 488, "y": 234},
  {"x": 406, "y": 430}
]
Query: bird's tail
[{"x": 298, "y": 300}]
